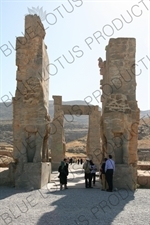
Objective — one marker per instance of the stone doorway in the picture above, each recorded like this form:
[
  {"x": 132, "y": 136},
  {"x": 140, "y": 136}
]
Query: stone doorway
[
  {"x": 58, "y": 144},
  {"x": 75, "y": 133}
]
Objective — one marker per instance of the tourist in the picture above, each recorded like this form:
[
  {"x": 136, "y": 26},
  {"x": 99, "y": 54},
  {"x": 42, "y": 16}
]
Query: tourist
[
  {"x": 63, "y": 170},
  {"x": 87, "y": 173},
  {"x": 93, "y": 171},
  {"x": 81, "y": 161},
  {"x": 78, "y": 161},
  {"x": 109, "y": 170},
  {"x": 103, "y": 176}
]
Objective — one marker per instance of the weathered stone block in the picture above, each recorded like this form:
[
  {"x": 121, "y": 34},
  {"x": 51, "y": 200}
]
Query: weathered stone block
[
  {"x": 143, "y": 165},
  {"x": 125, "y": 177},
  {"x": 4, "y": 176},
  {"x": 143, "y": 179},
  {"x": 34, "y": 175}
]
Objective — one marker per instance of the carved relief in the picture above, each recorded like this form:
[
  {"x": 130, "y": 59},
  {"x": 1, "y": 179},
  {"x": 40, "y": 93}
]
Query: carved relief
[{"x": 117, "y": 102}]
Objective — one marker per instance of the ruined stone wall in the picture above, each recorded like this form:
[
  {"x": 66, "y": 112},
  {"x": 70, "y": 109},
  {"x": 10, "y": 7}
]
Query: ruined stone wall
[
  {"x": 31, "y": 120},
  {"x": 120, "y": 113}
]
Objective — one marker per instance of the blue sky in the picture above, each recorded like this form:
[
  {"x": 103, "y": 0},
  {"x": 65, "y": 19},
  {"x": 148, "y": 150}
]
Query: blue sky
[{"x": 67, "y": 31}]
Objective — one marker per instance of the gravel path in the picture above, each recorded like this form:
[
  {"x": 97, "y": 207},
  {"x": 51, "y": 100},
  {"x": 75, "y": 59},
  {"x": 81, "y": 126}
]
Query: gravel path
[{"x": 77, "y": 205}]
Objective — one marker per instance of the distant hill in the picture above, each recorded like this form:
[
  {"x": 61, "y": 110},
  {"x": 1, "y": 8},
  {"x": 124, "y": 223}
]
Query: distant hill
[
  {"x": 75, "y": 127},
  {"x": 6, "y": 109}
]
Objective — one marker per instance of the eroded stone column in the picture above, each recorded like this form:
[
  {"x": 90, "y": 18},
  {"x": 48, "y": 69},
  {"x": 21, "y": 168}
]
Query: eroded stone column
[
  {"x": 93, "y": 139},
  {"x": 57, "y": 134},
  {"x": 120, "y": 113},
  {"x": 31, "y": 120}
]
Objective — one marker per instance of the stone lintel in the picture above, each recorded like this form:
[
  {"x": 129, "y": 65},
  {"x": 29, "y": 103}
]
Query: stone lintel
[{"x": 79, "y": 109}]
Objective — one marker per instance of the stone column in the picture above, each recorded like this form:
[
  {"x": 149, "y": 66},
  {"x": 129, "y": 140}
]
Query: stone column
[
  {"x": 31, "y": 120},
  {"x": 57, "y": 134},
  {"x": 93, "y": 140},
  {"x": 120, "y": 113}
]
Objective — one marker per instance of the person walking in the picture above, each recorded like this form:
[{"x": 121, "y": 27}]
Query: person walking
[
  {"x": 93, "y": 171},
  {"x": 63, "y": 170},
  {"x": 87, "y": 173},
  {"x": 103, "y": 176},
  {"x": 109, "y": 170}
]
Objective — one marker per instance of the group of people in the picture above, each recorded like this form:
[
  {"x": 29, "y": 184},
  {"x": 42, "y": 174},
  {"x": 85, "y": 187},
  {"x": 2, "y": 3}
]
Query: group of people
[
  {"x": 107, "y": 169},
  {"x": 90, "y": 173},
  {"x": 80, "y": 161}
]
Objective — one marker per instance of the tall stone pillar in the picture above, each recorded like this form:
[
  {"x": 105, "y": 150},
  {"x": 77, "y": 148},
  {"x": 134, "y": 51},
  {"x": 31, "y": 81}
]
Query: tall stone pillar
[
  {"x": 57, "y": 134},
  {"x": 120, "y": 113},
  {"x": 93, "y": 139},
  {"x": 31, "y": 120}
]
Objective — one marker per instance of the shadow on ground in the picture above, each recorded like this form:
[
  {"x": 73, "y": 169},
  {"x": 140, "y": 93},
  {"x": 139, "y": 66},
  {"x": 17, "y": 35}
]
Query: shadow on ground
[
  {"x": 78, "y": 205},
  {"x": 86, "y": 206}
]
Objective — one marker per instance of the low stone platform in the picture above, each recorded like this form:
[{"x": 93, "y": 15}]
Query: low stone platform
[
  {"x": 4, "y": 176},
  {"x": 143, "y": 178},
  {"x": 143, "y": 165},
  {"x": 32, "y": 175},
  {"x": 143, "y": 174}
]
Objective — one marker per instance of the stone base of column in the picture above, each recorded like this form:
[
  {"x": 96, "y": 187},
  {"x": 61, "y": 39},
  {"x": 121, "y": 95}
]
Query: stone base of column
[
  {"x": 125, "y": 177},
  {"x": 32, "y": 175}
]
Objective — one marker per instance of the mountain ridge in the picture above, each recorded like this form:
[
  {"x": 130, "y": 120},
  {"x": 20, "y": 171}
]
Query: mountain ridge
[{"x": 6, "y": 110}]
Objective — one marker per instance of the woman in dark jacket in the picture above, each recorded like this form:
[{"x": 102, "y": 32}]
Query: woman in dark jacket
[{"x": 63, "y": 170}]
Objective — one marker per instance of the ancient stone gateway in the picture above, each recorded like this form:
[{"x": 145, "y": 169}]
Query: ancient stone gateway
[
  {"x": 31, "y": 120},
  {"x": 118, "y": 125},
  {"x": 120, "y": 113},
  {"x": 57, "y": 131}
]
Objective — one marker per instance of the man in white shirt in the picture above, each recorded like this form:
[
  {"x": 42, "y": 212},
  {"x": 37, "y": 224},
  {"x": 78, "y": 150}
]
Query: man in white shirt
[{"x": 109, "y": 170}]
